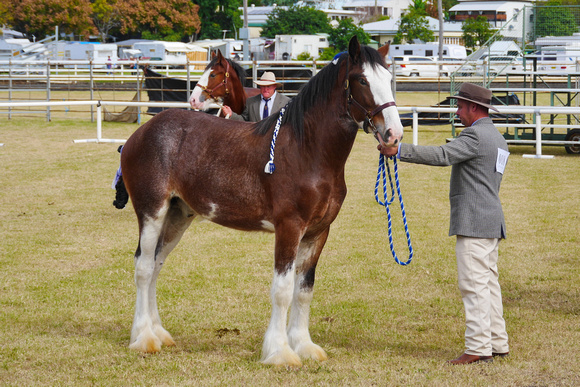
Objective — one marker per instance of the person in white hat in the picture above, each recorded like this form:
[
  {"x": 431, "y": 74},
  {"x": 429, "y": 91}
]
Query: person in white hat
[
  {"x": 258, "y": 107},
  {"x": 478, "y": 157}
]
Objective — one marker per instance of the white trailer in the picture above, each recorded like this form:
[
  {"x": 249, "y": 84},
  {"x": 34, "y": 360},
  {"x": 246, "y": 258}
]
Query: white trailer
[
  {"x": 290, "y": 46},
  {"x": 175, "y": 53},
  {"x": 431, "y": 50},
  {"x": 559, "y": 58},
  {"x": 98, "y": 53}
]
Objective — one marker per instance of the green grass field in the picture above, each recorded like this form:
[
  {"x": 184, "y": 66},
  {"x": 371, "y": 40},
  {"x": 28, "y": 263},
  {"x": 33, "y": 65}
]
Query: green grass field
[{"x": 67, "y": 291}]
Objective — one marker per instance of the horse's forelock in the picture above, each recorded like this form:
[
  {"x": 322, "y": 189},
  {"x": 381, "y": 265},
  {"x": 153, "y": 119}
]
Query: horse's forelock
[{"x": 237, "y": 68}]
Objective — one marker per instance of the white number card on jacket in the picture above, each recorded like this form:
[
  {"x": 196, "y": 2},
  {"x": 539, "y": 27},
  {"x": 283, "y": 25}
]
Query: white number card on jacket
[{"x": 502, "y": 158}]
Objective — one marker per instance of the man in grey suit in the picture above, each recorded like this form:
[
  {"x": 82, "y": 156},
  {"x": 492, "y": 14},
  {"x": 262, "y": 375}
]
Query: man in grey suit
[
  {"x": 258, "y": 107},
  {"x": 478, "y": 157}
]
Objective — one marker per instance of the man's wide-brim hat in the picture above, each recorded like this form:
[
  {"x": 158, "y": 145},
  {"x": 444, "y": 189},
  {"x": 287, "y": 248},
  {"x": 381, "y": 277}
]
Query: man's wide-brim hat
[
  {"x": 267, "y": 79},
  {"x": 476, "y": 94}
]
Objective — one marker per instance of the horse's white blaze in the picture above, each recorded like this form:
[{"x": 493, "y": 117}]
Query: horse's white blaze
[
  {"x": 379, "y": 79},
  {"x": 276, "y": 349},
  {"x": 195, "y": 98}
]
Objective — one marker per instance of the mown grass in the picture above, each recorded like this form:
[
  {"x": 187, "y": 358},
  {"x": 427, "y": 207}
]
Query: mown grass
[{"x": 67, "y": 292}]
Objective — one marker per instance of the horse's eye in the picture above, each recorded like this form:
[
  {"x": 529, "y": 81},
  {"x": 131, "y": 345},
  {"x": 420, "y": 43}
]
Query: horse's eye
[
  {"x": 212, "y": 75},
  {"x": 363, "y": 81}
]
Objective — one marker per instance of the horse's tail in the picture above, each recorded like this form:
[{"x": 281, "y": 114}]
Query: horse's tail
[{"x": 121, "y": 195}]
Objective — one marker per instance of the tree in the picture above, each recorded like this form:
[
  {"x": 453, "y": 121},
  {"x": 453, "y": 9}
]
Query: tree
[
  {"x": 105, "y": 16},
  {"x": 40, "y": 17},
  {"x": 295, "y": 21},
  {"x": 217, "y": 16},
  {"x": 555, "y": 20},
  {"x": 476, "y": 32},
  {"x": 159, "y": 19},
  {"x": 413, "y": 27},
  {"x": 346, "y": 29},
  {"x": 414, "y": 24}
]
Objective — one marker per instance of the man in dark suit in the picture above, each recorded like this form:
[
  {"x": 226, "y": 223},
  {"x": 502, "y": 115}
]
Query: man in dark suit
[
  {"x": 478, "y": 157},
  {"x": 258, "y": 107}
]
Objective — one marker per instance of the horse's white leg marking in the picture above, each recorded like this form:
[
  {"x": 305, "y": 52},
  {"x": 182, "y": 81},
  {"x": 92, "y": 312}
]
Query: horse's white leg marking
[
  {"x": 298, "y": 332},
  {"x": 142, "y": 336},
  {"x": 275, "y": 349}
]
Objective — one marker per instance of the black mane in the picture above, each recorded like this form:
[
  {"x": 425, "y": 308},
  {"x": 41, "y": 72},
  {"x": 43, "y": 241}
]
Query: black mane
[
  {"x": 317, "y": 89},
  {"x": 237, "y": 68}
]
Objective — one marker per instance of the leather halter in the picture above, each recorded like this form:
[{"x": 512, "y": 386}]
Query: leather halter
[
  {"x": 369, "y": 114},
  {"x": 224, "y": 84}
]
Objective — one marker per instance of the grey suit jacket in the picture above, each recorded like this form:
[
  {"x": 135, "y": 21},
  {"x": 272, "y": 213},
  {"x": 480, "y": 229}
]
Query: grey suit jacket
[
  {"x": 252, "y": 110},
  {"x": 474, "y": 187}
]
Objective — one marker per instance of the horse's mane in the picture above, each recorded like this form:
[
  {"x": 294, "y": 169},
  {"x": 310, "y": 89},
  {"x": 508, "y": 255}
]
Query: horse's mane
[
  {"x": 316, "y": 90},
  {"x": 237, "y": 68}
]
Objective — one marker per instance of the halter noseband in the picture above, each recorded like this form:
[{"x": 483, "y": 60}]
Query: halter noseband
[
  {"x": 369, "y": 114},
  {"x": 224, "y": 83}
]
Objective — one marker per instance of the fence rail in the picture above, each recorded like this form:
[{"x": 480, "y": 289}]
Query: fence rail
[{"x": 536, "y": 111}]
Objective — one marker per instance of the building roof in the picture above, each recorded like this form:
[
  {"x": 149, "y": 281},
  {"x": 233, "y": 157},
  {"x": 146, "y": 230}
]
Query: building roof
[
  {"x": 488, "y": 5},
  {"x": 392, "y": 26}
]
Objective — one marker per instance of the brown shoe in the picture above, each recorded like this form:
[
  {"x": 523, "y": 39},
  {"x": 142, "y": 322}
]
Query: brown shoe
[
  {"x": 497, "y": 354},
  {"x": 469, "y": 359}
]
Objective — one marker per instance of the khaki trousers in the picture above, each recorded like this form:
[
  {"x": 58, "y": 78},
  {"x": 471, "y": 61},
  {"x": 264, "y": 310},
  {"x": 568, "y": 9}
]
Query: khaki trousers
[{"x": 478, "y": 283}]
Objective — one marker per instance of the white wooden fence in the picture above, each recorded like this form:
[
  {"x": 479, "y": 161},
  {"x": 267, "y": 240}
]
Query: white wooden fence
[{"x": 537, "y": 111}]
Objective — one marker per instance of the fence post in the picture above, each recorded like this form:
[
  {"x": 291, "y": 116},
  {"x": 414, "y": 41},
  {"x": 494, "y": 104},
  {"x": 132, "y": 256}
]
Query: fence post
[
  {"x": 415, "y": 126},
  {"x": 91, "y": 86},
  {"x": 538, "y": 155},
  {"x": 48, "y": 89}
]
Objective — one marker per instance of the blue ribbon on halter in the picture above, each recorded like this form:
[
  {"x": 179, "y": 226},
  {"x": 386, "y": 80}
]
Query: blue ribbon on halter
[
  {"x": 386, "y": 203},
  {"x": 270, "y": 167}
]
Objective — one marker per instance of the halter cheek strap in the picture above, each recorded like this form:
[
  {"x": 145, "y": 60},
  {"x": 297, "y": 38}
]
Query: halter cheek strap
[{"x": 224, "y": 83}]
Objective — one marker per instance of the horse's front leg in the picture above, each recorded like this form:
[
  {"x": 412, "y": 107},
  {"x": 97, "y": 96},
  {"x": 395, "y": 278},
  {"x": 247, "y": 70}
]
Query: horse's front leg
[
  {"x": 298, "y": 332},
  {"x": 276, "y": 349}
]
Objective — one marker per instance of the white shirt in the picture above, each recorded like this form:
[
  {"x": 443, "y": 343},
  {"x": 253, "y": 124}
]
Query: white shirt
[{"x": 270, "y": 104}]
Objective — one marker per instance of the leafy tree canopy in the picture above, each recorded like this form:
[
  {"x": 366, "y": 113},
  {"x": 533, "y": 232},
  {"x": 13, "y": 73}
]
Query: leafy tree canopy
[
  {"x": 341, "y": 35},
  {"x": 218, "y": 16},
  {"x": 555, "y": 20},
  {"x": 412, "y": 27},
  {"x": 476, "y": 32},
  {"x": 164, "y": 20},
  {"x": 295, "y": 21},
  {"x": 40, "y": 17}
]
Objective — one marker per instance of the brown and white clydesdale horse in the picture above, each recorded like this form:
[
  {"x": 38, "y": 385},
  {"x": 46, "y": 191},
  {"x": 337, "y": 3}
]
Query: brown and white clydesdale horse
[
  {"x": 183, "y": 165},
  {"x": 223, "y": 83}
]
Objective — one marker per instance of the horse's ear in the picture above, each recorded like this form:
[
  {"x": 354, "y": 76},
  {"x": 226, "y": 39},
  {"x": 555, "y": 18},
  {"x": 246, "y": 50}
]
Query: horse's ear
[
  {"x": 219, "y": 55},
  {"x": 354, "y": 49},
  {"x": 213, "y": 55},
  {"x": 384, "y": 50}
]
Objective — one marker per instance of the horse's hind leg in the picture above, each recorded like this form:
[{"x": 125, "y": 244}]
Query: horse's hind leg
[
  {"x": 298, "y": 332},
  {"x": 159, "y": 235}
]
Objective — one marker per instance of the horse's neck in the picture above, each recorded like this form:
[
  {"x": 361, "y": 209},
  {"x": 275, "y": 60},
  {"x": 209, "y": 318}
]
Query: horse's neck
[
  {"x": 328, "y": 130},
  {"x": 236, "y": 98}
]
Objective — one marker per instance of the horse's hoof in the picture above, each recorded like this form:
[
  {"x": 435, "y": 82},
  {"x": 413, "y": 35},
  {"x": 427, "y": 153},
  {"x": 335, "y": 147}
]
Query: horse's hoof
[
  {"x": 311, "y": 351},
  {"x": 150, "y": 345},
  {"x": 284, "y": 357},
  {"x": 164, "y": 336}
]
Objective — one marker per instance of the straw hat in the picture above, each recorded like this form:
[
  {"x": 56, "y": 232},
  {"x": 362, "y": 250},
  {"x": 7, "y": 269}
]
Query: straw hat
[
  {"x": 267, "y": 79},
  {"x": 476, "y": 94}
]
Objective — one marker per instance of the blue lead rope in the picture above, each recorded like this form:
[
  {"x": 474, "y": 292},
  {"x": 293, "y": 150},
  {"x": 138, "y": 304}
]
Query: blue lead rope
[{"x": 382, "y": 172}]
